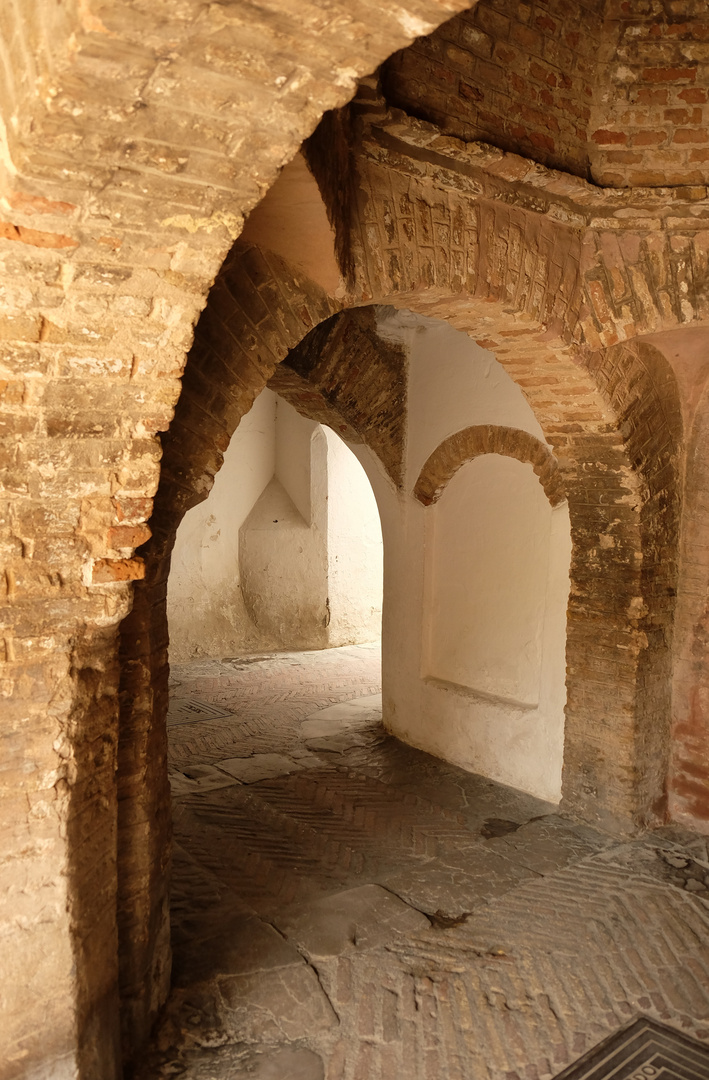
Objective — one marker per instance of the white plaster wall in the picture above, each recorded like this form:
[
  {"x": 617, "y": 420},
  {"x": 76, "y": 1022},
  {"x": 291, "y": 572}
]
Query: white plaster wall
[
  {"x": 515, "y": 742},
  {"x": 294, "y": 464},
  {"x": 290, "y": 517},
  {"x": 283, "y": 571},
  {"x": 206, "y": 611},
  {"x": 354, "y": 548},
  {"x": 476, "y": 592},
  {"x": 488, "y": 579},
  {"x": 495, "y": 625},
  {"x": 283, "y": 559}
]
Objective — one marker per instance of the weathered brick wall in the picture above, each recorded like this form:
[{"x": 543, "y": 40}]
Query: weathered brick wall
[
  {"x": 642, "y": 389},
  {"x": 132, "y": 143},
  {"x": 129, "y": 153},
  {"x": 256, "y": 312},
  {"x": 259, "y": 309},
  {"x": 472, "y": 442},
  {"x": 519, "y": 75},
  {"x": 650, "y": 121},
  {"x": 516, "y": 275},
  {"x": 612, "y": 90}
]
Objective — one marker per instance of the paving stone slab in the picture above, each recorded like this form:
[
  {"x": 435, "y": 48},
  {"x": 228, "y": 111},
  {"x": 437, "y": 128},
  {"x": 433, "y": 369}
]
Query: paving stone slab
[
  {"x": 340, "y": 742},
  {"x": 198, "y": 778},
  {"x": 548, "y": 843},
  {"x": 233, "y": 944},
  {"x": 455, "y": 885},
  {"x": 356, "y": 918},
  {"x": 240, "y": 1060},
  {"x": 276, "y": 1005},
  {"x": 358, "y": 712},
  {"x": 249, "y": 770}
]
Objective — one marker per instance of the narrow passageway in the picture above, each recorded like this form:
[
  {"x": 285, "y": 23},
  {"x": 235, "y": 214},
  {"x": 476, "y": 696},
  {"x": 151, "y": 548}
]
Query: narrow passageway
[{"x": 346, "y": 907}]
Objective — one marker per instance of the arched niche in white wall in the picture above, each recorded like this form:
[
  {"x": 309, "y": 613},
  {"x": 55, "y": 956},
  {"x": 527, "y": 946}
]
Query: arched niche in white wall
[
  {"x": 496, "y": 592},
  {"x": 287, "y": 550}
]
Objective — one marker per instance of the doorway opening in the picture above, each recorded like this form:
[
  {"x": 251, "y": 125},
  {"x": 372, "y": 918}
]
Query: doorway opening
[{"x": 286, "y": 553}]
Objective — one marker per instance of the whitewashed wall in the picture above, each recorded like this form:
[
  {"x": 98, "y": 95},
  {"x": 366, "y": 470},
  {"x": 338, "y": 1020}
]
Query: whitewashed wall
[
  {"x": 476, "y": 596},
  {"x": 286, "y": 552}
]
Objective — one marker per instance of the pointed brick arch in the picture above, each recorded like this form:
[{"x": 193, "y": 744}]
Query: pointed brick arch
[
  {"x": 511, "y": 278},
  {"x": 260, "y": 312},
  {"x": 518, "y": 315}
]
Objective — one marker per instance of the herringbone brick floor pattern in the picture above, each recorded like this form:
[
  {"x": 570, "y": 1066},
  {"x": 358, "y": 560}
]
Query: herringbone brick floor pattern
[{"x": 348, "y": 908}]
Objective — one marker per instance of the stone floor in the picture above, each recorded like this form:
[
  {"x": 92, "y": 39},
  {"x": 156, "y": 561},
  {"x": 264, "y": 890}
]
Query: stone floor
[{"x": 348, "y": 908}]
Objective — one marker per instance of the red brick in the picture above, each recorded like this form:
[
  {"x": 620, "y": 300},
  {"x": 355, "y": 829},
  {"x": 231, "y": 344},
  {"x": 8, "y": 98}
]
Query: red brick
[
  {"x": 648, "y": 138},
  {"x": 37, "y": 204},
  {"x": 543, "y": 22},
  {"x": 469, "y": 92},
  {"x": 542, "y": 142},
  {"x": 695, "y": 95},
  {"x": 659, "y": 75},
  {"x": 538, "y": 72},
  {"x": 106, "y": 571},
  {"x": 128, "y": 536},
  {"x": 527, "y": 38},
  {"x": 623, "y": 157},
  {"x": 647, "y": 95},
  {"x": 690, "y": 135},
  {"x": 34, "y": 237},
  {"x": 605, "y": 137}
]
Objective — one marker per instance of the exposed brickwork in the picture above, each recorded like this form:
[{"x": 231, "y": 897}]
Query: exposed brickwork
[
  {"x": 125, "y": 180},
  {"x": 472, "y": 442},
  {"x": 258, "y": 310},
  {"x": 343, "y": 363},
  {"x": 650, "y": 121},
  {"x": 131, "y": 147},
  {"x": 614, "y": 91},
  {"x": 642, "y": 389},
  {"x": 647, "y": 279},
  {"x": 689, "y": 774},
  {"x": 517, "y": 75}
]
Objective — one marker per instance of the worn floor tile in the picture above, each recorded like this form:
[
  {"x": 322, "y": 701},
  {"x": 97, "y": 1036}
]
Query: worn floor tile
[{"x": 349, "y": 908}]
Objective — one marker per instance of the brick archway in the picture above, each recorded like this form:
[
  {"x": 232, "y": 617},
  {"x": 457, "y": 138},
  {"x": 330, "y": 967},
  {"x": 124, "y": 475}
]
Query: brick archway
[
  {"x": 473, "y": 442},
  {"x": 606, "y": 463},
  {"x": 512, "y": 280},
  {"x": 101, "y": 336},
  {"x": 262, "y": 313}
]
